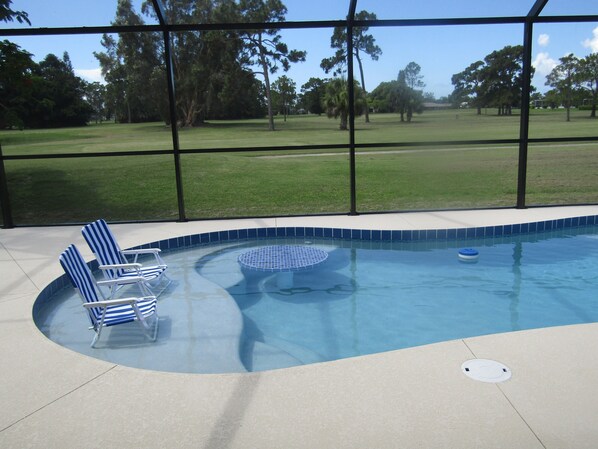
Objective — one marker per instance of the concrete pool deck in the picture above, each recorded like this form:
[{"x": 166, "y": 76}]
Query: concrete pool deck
[{"x": 52, "y": 397}]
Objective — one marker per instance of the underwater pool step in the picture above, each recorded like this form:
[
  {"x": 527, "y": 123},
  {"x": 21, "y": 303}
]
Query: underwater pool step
[
  {"x": 278, "y": 353},
  {"x": 266, "y": 357},
  {"x": 301, "y": 353}
]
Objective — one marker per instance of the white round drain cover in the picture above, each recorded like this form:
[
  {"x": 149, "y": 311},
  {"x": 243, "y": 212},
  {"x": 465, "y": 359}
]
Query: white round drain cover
[{"x": 486, "y": 370}]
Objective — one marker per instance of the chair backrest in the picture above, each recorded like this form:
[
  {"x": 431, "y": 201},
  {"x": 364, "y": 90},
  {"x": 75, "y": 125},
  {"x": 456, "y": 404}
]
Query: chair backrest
[
  {"x": 102, "y": 242},
  {"x": 82, "y": 279}
]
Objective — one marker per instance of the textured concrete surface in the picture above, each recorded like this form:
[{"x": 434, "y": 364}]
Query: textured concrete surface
[{"x": 414, "y": 398}]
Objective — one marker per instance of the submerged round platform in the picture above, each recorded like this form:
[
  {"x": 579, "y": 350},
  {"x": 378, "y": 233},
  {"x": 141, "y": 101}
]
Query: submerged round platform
[{"x": 276, "y": 258}]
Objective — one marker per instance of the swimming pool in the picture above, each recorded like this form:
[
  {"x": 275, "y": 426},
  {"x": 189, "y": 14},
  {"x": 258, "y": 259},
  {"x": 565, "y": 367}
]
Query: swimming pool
[{"x": 368, "y": 296}]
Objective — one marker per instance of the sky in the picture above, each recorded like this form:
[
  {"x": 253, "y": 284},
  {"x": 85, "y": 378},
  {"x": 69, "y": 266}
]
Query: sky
[{"x": 440, "y": 51}]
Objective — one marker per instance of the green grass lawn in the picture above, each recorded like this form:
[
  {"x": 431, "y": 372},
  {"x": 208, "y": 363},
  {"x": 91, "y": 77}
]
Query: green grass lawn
[{"x": 257, "y": 184}]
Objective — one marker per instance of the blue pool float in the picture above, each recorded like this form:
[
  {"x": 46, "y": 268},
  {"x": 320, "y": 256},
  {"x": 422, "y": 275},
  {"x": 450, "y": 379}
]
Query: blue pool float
[{"x": 468, "y": 254}]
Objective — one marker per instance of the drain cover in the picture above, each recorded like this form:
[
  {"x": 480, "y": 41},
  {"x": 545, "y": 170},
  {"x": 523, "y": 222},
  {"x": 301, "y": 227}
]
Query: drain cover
[{"x": 486, "y": 370}]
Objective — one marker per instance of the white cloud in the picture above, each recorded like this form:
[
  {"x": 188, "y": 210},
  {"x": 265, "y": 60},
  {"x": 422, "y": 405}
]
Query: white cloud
[
  {"x": 90, "y": 75},
  {"x": 543, "y": 40},
  {"x": 544, "y": 64},
  {"x": 592, "y": 44}
]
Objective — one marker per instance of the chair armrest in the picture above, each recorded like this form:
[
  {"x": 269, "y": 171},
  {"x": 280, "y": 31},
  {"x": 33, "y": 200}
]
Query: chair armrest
[
  {"x": 142, "y": 251},
  {"x": 137, "y": 252},
  {"x": 117, "y": 266},
  {"x": 117, "y": 302},
  {"x": 109, "y": 303},
  {"x": 122, "y": 281}
]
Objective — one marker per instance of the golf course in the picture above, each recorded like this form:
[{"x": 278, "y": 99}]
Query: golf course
[{"x": 441, "y": 160}]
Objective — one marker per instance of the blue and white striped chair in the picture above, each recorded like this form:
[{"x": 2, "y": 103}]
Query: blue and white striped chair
[
  {"x": 114, "y": 263},
  {"x": 108, "y": 312}
]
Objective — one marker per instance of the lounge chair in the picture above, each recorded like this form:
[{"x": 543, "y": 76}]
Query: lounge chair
[
  {"x": 108, "y": 312},
  {"x": 114, "y": 263}
]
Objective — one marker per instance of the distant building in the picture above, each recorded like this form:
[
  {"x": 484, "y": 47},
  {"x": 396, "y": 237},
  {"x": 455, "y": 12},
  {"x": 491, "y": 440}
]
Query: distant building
[{"x": 437, "y": 106}]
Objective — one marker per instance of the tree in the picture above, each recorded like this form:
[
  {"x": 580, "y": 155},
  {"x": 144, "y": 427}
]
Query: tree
[
  {"x": 384, "y": 98},
  {"x": 588, "y": 76},
  {"x": 60, "y": 95},
  {"x": 16, "y": 85},
  {"x": 95, "y": 95},
  {"x": 413, "y": 97},
  {"x": 209, "y": 66},
  {"x": 312, "y": 95},
  {"x": 15, "y": 72},
  {"x": 362, "y": 43},
  {"x": 285, "y": 88},
  {"x": 412, "y": 77},
  {"x": 468, "y": 86},
  {"x": 408, "y": 99},
  {"x": 336, "y": 101},
  {"x": 41, "y": 95},
  {"x": 502, "y": 78},
  {"x": 237, "y": 95},
  {"x": 403, "y": 96},
  {"x": 563, "y": 79},
  {"x": 133, "y": 70},
  {"x": 264, "y": 48},
  {"x": 552, "y": 99},
  {"x": 8, "y": 15},
  {"x": 497, "y": 81}
]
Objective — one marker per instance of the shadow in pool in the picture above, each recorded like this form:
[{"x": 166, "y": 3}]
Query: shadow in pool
[
  {"x": 337, "y": 260},
  {"x": 247, "y": 292},
  {"x": 311, "y": 287},
  {"x": 251, "y": 334},
  {"x": 307, "y": 286},
  {"x": 130, "y": 335}
]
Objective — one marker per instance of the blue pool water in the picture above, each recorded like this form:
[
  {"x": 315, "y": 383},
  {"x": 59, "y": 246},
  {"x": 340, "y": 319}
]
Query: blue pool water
[{"x": 366, "y": 297}]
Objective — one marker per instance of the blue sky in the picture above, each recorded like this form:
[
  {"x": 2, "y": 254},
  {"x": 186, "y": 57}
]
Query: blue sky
[{"x": 440, "y": 51}]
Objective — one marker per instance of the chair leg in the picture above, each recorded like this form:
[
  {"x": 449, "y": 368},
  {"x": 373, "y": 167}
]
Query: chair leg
[
  {"x": 164, "y": 279},
  {"x": 146, "y": 289},
  {"x": 147, "y": 328},
  {"x": 157, "y": 321},
  {"x": 98, "y": 328},
  {"x": 96, "y": 337}
]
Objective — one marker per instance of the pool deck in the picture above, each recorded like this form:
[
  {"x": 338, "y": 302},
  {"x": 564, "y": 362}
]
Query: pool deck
[{"x": 52, "y": 397}]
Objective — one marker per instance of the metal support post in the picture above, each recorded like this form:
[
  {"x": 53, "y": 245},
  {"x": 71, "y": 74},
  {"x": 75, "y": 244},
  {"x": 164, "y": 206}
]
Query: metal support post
[
  {"x": 351, "y": 92},
  {"x": 7, "y": 222}
]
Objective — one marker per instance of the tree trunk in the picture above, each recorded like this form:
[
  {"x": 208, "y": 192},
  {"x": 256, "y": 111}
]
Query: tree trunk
[
  {"x": 568, "y": 105},
  {"x": 344, "y": 121},
  {"x": 365, "y": 99},
  {"x": 128, "y": 112},
  {"x": 267, "y": 83}
]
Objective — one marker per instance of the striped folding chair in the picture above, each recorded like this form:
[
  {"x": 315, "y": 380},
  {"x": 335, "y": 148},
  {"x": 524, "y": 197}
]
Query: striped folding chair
[
  {"x": 114, "y": 263},
  {"x": 108, "y": 312}
]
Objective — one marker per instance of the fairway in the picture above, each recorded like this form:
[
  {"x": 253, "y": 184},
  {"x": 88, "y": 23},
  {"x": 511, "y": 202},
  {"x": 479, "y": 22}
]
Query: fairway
[{"x": 285, "y": 182}]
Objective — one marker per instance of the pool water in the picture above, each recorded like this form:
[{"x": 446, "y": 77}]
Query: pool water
[{"x": 366, "y": 297}]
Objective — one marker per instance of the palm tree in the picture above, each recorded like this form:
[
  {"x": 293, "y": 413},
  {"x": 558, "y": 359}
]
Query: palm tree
[{"x": 336, "y": 101}]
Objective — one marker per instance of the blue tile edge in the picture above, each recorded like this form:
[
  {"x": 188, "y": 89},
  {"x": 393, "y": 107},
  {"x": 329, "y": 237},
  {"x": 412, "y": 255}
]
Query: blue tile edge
[{"x": 375, "y": 235}]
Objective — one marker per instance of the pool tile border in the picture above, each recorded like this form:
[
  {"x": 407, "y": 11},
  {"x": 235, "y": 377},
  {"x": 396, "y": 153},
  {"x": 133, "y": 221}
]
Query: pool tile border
[
  {"x": 431, "y": 235},
  {"x": 376, "y": 235}
]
